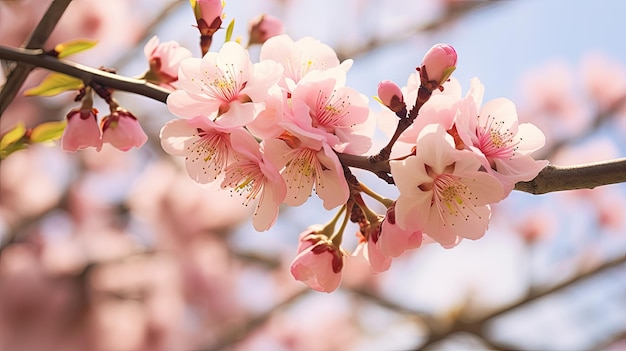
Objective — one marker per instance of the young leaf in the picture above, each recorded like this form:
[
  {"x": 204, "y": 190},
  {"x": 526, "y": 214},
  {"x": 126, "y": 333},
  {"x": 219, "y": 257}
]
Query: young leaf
[
  {"x": 12, "y": 136},
  {"x": 229, "y": 30},
  {"x": 74, "y": 46},
  {"x": 53, "y": 84},
  {"x": 48, "y": 131}
]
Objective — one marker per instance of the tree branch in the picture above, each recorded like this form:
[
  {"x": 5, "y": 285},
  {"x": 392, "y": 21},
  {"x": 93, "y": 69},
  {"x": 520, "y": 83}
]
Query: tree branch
[
  {"x": 37, "y": 38},
  {"x": 586, "y": 176},
  {"x": 86, "y": 74}
]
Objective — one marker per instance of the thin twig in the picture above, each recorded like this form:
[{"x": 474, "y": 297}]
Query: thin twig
[
  {"x": 86, "y": 74},
  {"x": 37, "y": 38}
]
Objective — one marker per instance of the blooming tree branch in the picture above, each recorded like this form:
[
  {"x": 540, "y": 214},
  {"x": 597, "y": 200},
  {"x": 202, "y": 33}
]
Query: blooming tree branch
[{"x": 550, "y": 179}]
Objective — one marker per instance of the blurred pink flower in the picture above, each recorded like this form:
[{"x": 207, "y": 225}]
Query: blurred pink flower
[
  {"x": 442, "y": 191},
  {"x": 252, "y": 174},
  {"x": 164, "y": 60},
  {"x": 82, "y": 131},
  {"x": 225, "y": 86},
  {"x": 264, "y": 27},
  {"x": 122, "y": 130},
  {"x": 319, "y": 266}
]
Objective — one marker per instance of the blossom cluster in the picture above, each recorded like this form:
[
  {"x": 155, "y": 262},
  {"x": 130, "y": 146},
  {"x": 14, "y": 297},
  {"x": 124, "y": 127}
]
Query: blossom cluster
[{"x": 274, "y": 130}]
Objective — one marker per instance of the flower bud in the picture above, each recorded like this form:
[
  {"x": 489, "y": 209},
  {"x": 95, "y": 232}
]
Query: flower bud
[
  {"x": 82, "y": 130},
  {"x": 164, "y": 59},
  {"x": 208, "y": 15},
  {"x": 439, "y": 63},
  {"x": 122, "y": 130},
  {"x": 319, "y": 266},
  {"x": 391, "y": 96},
  {"x": 264, "y": 27}
]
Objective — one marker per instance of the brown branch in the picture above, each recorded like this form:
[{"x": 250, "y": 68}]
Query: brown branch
[
  {"x": 588, "y": 176},
  {"x": 86, "y": 74},
  {"x": 476, "y": 326},
  {"x": 37, "y": 38}
]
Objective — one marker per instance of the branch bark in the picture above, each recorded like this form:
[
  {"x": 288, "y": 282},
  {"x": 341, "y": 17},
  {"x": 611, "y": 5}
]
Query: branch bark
[{"x": 86, "y": 74}]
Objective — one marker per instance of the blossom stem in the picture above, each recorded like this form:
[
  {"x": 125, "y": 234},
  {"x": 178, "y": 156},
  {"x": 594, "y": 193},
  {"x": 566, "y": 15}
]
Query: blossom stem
[
  {"x": 376, "y": 196},
  {"x": 337, "y": 237}
]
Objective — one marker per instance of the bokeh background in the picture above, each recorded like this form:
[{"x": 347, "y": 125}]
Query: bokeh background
[{"x": 121, "y": 251}]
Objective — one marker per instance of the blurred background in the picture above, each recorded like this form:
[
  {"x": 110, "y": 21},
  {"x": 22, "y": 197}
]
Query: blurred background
[{"x": 121, "y": 251}]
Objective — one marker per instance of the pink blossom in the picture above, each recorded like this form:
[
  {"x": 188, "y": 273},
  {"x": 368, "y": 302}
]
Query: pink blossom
[
  {"x": 264, "y": 27},
  {"x": 205, "y": 145},
  {"x": 506, "y": 145},
  {"x": 122, "y": 130},
  {"x": 319, "y": 266},
  {"x": 378, "y": 260},
  {"x": 82, "y": 131},
  {"x": 338, "y": 114},
  {"x": 225, "y": 86},
  {"x": 440, "y": 62},
  {"x": 393, "y": 240},
  {"x": 300, "y": 57},
  {"x": 307, "y": 161},
  {"x": 442, "y": 191},
  {"x": 252, "y": 174},
  {"x": 164, "y": 59}
]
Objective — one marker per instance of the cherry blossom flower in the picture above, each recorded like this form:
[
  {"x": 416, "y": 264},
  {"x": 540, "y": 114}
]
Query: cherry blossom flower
[
  {"x": 205, "y": 145},
  {"x": 208, "y": 15},
  {"x": 300, "y": 57},
  {"x": 82, "y": 131},
  {"x": 122, "y": 130},
  {"x": 251, "y": 173},
  {"x": 393, "y": 240},
  {"x": 506, "y": 145},
  {"x": 264, "y": 27},
  {"x": 321, "y": 105},
  {"x": 442, "y": 191},
  {"x": 164, "y": 59},
  {"x": 319, "y": 265},
  {"x": 306, "y": 161},
  {"x": 225, "y": 86}
]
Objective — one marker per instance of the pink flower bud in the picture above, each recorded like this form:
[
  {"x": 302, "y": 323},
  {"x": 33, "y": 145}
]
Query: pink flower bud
[
  {"x": 264, "y": 27},
  {"x": 82, "y": 131},
  {"x": 122, "y": 130},
  {"x": 391, "y": 95},
  {"x": 440, "y": 62},
  {"x": 319, "y": 266},
  {"x": 208, "y": 15},
  {"x": 164, "y": 59}
]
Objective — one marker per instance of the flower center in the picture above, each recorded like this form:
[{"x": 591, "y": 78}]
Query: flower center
[
  {"x": 452, "y": 197},
  {"x": 245, "y": 177},
  {"x": 494, "y": 140}
]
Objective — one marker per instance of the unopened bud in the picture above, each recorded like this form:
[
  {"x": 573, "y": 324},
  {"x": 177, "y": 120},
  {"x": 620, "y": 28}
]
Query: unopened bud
[
  {"x": 439, "y": 63},
  {"x": 264, "y": 27},
  {"x": 391, "y": 96}
]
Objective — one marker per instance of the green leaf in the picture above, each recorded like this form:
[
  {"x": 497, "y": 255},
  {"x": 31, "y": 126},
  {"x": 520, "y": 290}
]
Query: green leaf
[
  {"x": 229, "y": 30},
  {"x": 74, "y": 46},
  {"x": 12, "y": 136},
  {"x": 48, "y": 131},
  {"x": 53, "y": 84},
  {"x": 196, "y": 9}
]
